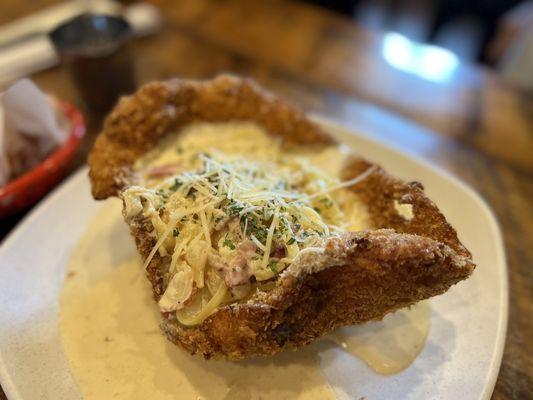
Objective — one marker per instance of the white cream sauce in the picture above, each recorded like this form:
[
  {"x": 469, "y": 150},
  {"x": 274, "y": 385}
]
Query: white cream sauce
[
  {"x": 109, "y": 321},
  {"x": 391, "y": 345},
  {"x": 250, "y": 141},
  {"x": 109, "y": 327}
]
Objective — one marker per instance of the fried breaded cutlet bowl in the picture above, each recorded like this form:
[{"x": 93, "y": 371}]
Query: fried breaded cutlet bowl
[{"x": 355, "y": 277}]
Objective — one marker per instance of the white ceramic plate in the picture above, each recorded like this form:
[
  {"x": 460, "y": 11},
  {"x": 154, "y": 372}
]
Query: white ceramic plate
[{"x": 460, "y": 360}]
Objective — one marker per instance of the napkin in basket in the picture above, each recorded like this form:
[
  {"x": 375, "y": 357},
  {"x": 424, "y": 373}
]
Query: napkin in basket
[{"x": 29, "y": 129}]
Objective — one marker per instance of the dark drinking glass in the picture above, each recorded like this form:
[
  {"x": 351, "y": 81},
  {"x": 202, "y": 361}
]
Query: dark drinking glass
[{"x": 95, "y": 49}]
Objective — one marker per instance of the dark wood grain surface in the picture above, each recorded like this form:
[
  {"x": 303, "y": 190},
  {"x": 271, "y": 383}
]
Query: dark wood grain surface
[{"x": 473, "y": 125}]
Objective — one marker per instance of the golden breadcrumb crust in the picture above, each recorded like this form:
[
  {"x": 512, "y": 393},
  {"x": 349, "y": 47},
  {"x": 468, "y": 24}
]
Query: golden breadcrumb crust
[
  {"x": 358, "y": 277},
  {"x": 139, "y": 121}
]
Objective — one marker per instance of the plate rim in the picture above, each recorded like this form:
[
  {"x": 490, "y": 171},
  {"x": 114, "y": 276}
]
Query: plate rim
[
  {"x": 501, "y": 333},
  {"x": 12, "y": 392},
  {"x": 6, "y": 382}
]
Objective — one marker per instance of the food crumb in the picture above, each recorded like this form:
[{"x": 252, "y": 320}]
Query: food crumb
[
  {"x": 107, "y": 339},
  {"x": 71, "y": 274},
  {"x": 405, "y": 210}
]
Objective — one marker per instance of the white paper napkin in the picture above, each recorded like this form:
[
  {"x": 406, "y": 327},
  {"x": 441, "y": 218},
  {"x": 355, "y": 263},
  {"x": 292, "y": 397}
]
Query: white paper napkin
[{"x": 29, "y": 128}]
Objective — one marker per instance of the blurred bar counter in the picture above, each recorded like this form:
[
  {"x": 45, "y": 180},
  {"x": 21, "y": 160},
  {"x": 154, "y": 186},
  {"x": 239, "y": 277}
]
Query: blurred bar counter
[{"x": 471, "y": 122}]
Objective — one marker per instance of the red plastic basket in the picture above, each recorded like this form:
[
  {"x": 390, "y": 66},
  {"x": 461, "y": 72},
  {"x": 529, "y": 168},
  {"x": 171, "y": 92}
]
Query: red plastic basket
[{"x": 34, "y": 184}]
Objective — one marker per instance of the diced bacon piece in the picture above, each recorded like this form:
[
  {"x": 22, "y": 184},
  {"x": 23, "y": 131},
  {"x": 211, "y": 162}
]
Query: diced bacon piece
[{"x": 162, "y": 171}]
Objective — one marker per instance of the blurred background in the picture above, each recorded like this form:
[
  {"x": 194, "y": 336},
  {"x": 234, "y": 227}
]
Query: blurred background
[
  {"x": 448, "y": 81},
  {"x": 443, "y": 50},
  {"x": 487, "y": 31},
  {"x": 462, "y": 70}
]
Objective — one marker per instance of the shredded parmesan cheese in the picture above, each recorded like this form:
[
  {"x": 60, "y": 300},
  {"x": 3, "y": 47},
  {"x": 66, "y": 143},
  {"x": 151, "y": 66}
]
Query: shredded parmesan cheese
[{"x": 232, "y": 207}]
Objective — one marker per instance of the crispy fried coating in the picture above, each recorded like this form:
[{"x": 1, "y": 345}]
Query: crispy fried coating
[
  {"x": 357, "y": 277},
  {"x": 139, "y": 121}
]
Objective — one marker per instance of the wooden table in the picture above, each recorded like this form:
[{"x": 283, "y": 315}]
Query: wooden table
[{"x": 472, "y": 124}]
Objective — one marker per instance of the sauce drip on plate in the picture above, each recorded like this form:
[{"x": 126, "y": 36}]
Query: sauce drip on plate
[
  {"x": 109, "y": 327},
  {"x": 391, "y": 345}
]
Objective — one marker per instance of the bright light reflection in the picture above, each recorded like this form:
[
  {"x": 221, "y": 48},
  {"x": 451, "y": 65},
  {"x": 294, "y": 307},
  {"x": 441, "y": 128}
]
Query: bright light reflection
[{"x": 428, "y": 62}]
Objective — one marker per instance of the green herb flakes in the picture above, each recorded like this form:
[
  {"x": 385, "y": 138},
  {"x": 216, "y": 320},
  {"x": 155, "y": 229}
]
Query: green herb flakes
[
  {"x": 235, "y": 208},
  {"x": 260, "y": 233},
  {"x": 229, "y": 243},
  {"x": 273, "y": 265},
  {"x": 176, "y": 185}
]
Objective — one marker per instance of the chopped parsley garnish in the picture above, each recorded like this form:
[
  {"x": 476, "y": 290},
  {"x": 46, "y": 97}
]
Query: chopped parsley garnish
[
  {"x": 162, "y": 193},
  {"x": 192, "y": 192},
  {"x": 291, "y": 240},
  {"x": 250, "y": 225},
  {"x": 235, "y": 208},
  {"x": 176, "y": 185},
  {"x": 175, "y": 232},
  {"x": 260, "y": 233},
  {"x": 273, "y": 265},
  {"x": 229, "y": 243},
  {"x": 283, "y": 223}
]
